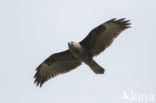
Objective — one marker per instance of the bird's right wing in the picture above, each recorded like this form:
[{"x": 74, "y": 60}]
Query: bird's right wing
[{"x": 56, "y": 64}]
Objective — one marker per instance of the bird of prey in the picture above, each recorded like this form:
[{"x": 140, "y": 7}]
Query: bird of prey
[{"x": 96, "y": 41}]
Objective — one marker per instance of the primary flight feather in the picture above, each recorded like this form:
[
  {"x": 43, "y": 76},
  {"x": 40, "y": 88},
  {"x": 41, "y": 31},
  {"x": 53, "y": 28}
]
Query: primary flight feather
[{"x": 97, "y": 41}]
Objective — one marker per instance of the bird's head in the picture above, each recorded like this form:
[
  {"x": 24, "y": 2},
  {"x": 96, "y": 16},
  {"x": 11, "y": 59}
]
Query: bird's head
[
  {"x": 70, "y": 43},
  {"x": 73, "y": 44},
  {"x": 74, "y": 47}
]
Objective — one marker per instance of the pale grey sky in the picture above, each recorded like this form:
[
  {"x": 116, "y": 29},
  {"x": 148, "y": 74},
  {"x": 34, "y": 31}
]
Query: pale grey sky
[{"x": 31, "y": 30}]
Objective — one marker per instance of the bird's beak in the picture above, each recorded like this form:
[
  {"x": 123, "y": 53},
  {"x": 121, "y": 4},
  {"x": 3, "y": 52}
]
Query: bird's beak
[{"x": 69, "y": 44}]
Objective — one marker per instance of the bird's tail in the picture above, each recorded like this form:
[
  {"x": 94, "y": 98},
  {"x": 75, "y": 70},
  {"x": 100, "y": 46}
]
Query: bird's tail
[{"x": 95, "y": 67}]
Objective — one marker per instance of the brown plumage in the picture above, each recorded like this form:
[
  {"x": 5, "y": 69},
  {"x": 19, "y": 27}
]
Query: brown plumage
[
  {"x": 97, "y": 40},
  {"x": 102, "y": 36},
  {"x": 60, "y": 63}
]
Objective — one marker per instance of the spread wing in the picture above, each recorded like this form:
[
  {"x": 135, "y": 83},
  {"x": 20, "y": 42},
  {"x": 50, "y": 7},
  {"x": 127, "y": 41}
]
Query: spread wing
[
  {"x": 102, "y": 36},
  {"x": 56, "y": 64}
]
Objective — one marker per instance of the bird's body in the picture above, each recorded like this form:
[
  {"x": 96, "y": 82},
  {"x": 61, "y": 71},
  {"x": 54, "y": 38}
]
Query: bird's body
[
  {"x": 82, "y": 54},
  {"x": 97, "y": 40}
]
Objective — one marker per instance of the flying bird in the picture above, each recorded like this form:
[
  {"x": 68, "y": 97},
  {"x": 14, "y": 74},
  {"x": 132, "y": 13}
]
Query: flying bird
[{"x": 95, "y": 42}]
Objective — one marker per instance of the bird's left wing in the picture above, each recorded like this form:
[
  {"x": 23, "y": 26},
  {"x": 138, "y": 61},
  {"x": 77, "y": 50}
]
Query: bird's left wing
[
  {"x": 102, "y": 36},
  {"x": 56, "y": 64}
]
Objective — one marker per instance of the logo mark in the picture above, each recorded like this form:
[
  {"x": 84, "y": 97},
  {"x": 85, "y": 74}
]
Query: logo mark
[{"x": 137, "y": 97}]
